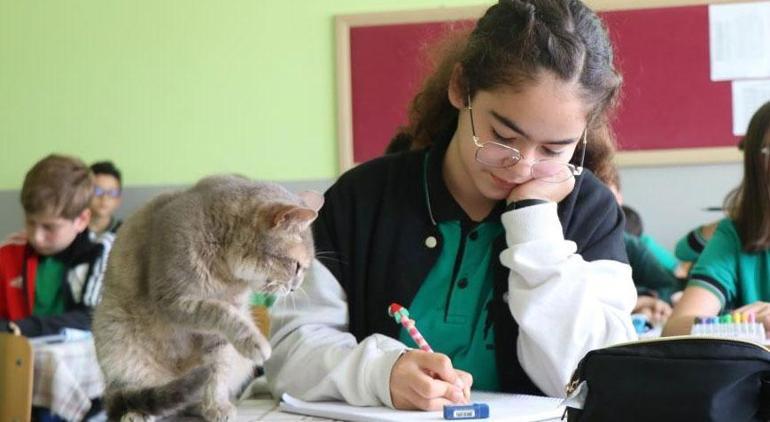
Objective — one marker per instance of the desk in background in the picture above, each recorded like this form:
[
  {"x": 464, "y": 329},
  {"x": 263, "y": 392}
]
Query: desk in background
[{"x": 67, "y": 377}]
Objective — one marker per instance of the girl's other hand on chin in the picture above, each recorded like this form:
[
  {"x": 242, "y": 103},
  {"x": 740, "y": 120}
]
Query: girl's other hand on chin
[{"x": 538, "y": 189}]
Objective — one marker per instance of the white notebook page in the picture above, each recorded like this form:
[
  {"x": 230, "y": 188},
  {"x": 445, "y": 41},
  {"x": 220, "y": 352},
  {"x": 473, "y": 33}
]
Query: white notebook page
[{"x": 502, "y": 407}]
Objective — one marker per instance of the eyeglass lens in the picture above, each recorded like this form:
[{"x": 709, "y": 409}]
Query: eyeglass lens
[{"x": 112, "y": 193}]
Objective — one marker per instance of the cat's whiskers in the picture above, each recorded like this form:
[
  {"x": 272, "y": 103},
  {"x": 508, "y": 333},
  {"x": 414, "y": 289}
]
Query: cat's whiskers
[
  {"x": 304, "y": 292},
  {"x": 293, "y": 301},
  {"x": 328, "y": 256},
  {"x": 301, "y": 289},
  {"x": 322, "y": 253}
]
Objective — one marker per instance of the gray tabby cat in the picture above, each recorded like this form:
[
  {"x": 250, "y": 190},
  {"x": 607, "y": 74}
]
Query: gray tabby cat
[{"x": 173, "y": 331}]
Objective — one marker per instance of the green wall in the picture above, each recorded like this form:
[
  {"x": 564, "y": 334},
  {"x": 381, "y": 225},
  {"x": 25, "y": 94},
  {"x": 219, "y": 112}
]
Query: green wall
[{"x": 174, "y": 89}]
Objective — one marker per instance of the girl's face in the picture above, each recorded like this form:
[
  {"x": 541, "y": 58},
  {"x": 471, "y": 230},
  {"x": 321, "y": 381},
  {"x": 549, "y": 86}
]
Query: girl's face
[{"x": 543, "y": 119}]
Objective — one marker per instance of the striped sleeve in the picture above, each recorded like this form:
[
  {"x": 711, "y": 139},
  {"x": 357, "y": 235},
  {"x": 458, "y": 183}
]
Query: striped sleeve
[
  {"x": 691, "y": 246},
  {"x": 93, "y": 293},
  {"x": 717, "y": 267}
]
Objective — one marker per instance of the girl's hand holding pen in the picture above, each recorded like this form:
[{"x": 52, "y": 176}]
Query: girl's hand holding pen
[
  {"x": 422, "y": 379},
  {"x": 427, "y": 381}
]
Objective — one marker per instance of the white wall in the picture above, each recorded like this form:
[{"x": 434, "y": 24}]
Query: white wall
[{"x": 671, "y": 199}]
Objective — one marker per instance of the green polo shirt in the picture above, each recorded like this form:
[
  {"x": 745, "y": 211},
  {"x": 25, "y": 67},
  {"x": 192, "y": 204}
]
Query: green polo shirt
[
  {"x": 666, "y": 258},
  {"x": 49, "y": 298},
  {"x": 690, "y": 246},
  {"x": 734, "y": 276},
  {"x": 451, "y": 307},
  {"x": 648, "y": 274}
]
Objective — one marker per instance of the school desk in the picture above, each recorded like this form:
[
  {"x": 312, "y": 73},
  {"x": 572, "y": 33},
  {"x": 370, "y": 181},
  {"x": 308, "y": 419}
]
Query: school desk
[
  {"x": 260, "y": 406},
  {"x": 67, "y": 377}
]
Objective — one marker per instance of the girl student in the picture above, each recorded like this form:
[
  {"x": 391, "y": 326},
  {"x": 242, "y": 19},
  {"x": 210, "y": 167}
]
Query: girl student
[
  {"x": 509, "y": 257},
  {"x": 733, "y": 271}
]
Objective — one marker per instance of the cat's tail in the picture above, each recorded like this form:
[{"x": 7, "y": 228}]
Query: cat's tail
[{"x": 161, "y": 400}]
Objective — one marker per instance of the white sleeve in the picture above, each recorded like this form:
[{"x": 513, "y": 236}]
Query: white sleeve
[
  {"x": 93, "y": 293},
  {"x": 564, "y": 305},
  {"x": 315, "y": 357}
]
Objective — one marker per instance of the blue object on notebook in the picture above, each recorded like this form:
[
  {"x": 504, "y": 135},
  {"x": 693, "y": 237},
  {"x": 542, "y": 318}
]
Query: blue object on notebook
[
  {"x": 641, "y": 323},
  {"x": 466, "y": 411}
]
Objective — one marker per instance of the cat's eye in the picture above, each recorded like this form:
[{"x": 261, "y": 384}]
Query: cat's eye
[{"x": 297, "y": 268}]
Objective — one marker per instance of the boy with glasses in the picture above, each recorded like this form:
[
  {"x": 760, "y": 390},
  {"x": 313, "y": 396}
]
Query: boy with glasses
[
  {"x": 53, "y": 279},
  {"x": 108, "y": 194}
]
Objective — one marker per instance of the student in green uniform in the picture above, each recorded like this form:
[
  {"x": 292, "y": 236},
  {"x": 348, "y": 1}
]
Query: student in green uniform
[
  {"x": 649, "y": 271},
  {"x": 635, "y": 227},
  {"x": 733, "y": 272},
  {"x": 691, "y": 245},
  {"x": 655, "y": 284},
  {"x": 508, "y": 254}
]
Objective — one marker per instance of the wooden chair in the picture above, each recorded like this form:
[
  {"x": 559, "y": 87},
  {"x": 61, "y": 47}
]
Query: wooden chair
[{"x": 16, "y": 372}]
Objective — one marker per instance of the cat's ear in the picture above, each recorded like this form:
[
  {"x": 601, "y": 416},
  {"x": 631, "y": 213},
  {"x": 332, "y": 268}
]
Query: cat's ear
[
  {"x": 289, "y": 216},
  {"x": 313, "y": 200}
]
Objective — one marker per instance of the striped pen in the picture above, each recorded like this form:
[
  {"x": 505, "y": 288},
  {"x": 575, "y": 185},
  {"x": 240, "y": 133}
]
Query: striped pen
[{"x": 401, "y": 315}]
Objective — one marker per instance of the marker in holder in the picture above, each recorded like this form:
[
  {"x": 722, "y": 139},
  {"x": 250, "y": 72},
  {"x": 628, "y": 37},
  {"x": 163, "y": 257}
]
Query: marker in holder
[{"x": 739, "y": 326}]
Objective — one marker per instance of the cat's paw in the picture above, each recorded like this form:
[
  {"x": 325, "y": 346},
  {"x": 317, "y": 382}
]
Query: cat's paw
[
  {"x": 253, "y": 346},
  {"x": 136, "y": 417},
  {"x": 219, "y": 412}
]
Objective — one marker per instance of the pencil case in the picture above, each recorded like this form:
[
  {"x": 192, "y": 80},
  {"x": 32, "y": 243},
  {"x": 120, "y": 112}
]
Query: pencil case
[{"x": 682, "y": 378}]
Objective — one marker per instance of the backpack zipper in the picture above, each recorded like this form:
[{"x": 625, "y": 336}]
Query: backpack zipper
[{"x": 576, "y": 375}]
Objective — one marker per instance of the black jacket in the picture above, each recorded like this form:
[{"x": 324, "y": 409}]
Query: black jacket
[
  {"x": 372, "y": 231},
  {"x": 78, "y": 313}
]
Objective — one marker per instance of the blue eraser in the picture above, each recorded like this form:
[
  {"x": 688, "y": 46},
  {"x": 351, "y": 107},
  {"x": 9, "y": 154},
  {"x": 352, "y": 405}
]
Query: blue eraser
[
  {"x": 466, "y": 411},
  {"x": 641, "y": 323}
]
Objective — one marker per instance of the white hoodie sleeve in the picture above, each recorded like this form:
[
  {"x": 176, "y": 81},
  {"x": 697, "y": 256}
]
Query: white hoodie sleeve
[
  {"x": 564, "y": 305},
  {"x": 315, "y": 357}
]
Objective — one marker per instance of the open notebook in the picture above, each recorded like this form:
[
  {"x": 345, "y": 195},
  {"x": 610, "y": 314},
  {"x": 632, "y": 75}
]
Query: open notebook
[{"x": 502, "y": 407}]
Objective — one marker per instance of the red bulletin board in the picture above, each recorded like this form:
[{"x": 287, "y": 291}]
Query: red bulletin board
[
  {"x": 669, "y": 100},
  {"x": 670, "y": 112}
]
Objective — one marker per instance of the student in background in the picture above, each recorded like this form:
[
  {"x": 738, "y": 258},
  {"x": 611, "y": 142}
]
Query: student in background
[
  {"x": 509, "y": 257},
  {"x": 655, "y": 285},
  {"x": 108, "y": 194},
  {"x": 661, "y": 254},
  {"x": 733, "y": 272},
  {"x": 689, "y": 248},
  {"x": 53, "y": 280}
]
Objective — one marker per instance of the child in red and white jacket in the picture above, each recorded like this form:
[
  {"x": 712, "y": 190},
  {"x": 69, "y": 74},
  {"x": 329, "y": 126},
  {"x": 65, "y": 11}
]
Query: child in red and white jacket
[{"x": 53, "y": 279}]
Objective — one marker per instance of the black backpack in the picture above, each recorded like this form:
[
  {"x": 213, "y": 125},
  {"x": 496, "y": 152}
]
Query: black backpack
[{"x": 672, "y": 379}]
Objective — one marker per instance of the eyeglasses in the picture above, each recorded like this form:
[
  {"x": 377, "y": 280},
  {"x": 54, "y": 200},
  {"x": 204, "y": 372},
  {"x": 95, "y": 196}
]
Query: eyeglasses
[
  {"x": 497, "y": 155},
  {"x": 112, "y": 193}
]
